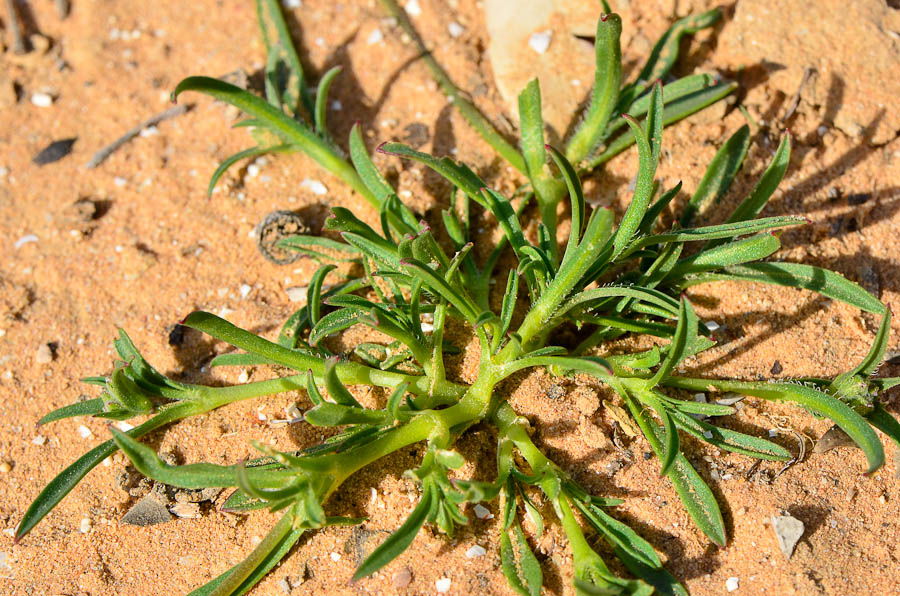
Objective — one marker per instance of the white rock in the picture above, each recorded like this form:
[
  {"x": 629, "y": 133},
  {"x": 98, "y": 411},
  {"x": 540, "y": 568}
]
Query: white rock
[
  {"x": 314, "y": 186},
  {"x": 335, "y": 557},
  {"x": 413, "y": 9},
  {"x": 712, "y": 325},
  {"x": 442, "y": 585},
  {"x": 253, "y": 170},
  {"x": 85, "y": 525},
  {"x": 39, "y": 440},
  {"x": 124, "y": 426},
  {"x": 540, "y": 41},
  {"x": 475, "y": 551},
  {"x": 375, "y": 37},
  {"x": 292, "y": 3},
  {"x": 150, "y": 131},
  {"x": 731, "y": 584},
  {"x": 85, "y": 432},
  {"x": 455, "y": 29},
  {"x": 337, "y": 106},
  {"x": 120, "y": 181},
  {"x": 243, "y": 377},
  {"x": 245, "y": 290},
  {"x": 42, "y": 100}
]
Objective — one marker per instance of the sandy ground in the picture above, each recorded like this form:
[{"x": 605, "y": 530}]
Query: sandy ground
[{"x": 155, "y": 249}]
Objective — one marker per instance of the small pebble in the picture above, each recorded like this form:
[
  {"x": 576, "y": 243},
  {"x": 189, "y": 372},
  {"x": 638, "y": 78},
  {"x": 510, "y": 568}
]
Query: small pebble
[
  {"x": 243, "y": 377},
  {"x": 455, "y": 29},
  {"x": 540, "y": 41},
  {"x": 284, "y": 586},
  {"x": 253, "y": 170},
  {"x": 245, "y": 290},
  {"x": 482, "y": 512},
  {"x": 44, "y": 354},
  {"x": 292, "y": 3},
  {"x": 119, "y": 181},
  {"x": 335, "y": 557},
  {"x": 314, "y": 186},
  {"x": 375, "y": 37},
  {"x": 442, "y": 585},
  {"x": 85, "y": 432},
  {"x": 85, "y": 525},
  {"x": 149, "y": 132},
  {"x": 5, "y": 467},
  {"x": 337, "y": 106},
  {"x": 54, "y": 152},
  {"x": 413, "y": 8},
  {"x": 297, "y": 293},
  {"x": 731, "y": 584},
  {"x": 712, "y": 325},
  {"x": 475, "y": 551},
  {"x": 42, "y": 100},
  {"x": 124, "y": 426},
  {"x": 402, "y": 578}
]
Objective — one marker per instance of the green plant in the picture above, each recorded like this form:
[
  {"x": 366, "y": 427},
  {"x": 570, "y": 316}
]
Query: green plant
[{"x": 609, "y": 279}]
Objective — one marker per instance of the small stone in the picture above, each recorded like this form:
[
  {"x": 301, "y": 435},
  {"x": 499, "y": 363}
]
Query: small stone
[
  {"x": 482, "y": 512},
  {"x": 120, "y": 181},
  {"x": 4, "y": 564},
  {"x": 297, "y": 293},
  {"x": 314, "y": 186},
  {"x": 788, "y": 531},
  {"x": 402, "y": 578},
  {"x": 55, "y": 151},
  {"x": 442, "y": 585},
  {"x": 186, "y": 510},
  {"x": 148, "y": 511},
  {"x": 284, "y": 586},
  {"x": 540, "y": 41},
  {"x": 42, "y": 100},
  {"x": 245, "y": 290},
  {"x": 731, "y": 584},
  {"x": 455, "y": 29},
  {"x": 5, "y": 467},
  {"x": 413, "y": 9},
  {"x": 375, "y": 37},
  {"x": 39, "y": 440},
  {"x": 712, "y": 325},
  {"x": 44, "y": 354},
  {"x": 555, "y": 391},
  {"x": 475, "y": 551},
  {"x": 776, "y": 368},
  {"x": 85, "y": 432},
  {"x": 335, "y": 557},
  {"x": 85, "y": 525},
  {"x": 833, "y": 438}
]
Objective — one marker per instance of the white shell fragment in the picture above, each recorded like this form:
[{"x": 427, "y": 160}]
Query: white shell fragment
[
  {"x": 442, "y": 585},
  {"x": 731, "y": 584},
  {"x": 475, "y": 552}
]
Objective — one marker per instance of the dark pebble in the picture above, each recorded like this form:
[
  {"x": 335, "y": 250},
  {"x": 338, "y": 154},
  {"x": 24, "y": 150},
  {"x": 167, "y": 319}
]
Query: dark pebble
[
  {"x": 55, "y": 151},
  {"x": 776, "y": 368},
  {"x": 859, "y": 198},
  {"x": 416, "y": 134},
  {"x": 176, "y": 335}
]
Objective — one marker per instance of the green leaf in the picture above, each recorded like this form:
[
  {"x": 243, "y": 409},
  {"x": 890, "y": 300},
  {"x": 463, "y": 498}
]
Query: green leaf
[
  {"x": 796, "y": 275},
  {"x": 531, "y": 124},
  {"x": 674, "y": 110},
  {"x": 520, "y": 566},
  {"x": 607, "y": 81},
  {"x": 727, "y": 230},
  {"x": 771, "y": 178},
  {"x": 874, "y": 358},
  {"x": 654, "y": 297},
  {"x": 647, "y": 162},
  {"x": 883, "y": 421},
  {"x": 289, "y": 130},
  {"x": 730, "y": 440},
  {"x": 401, "y": 538},
  {"x": 322, "y": 99},
  {"x": 88, "y": 407},
  {"x": 672, "y": 443},
  {"x": 277, "y": 39},
  {"x": 458, "y": 174},
  {"x": 314, "y": 292},
  {"x": 242, "y": 577},
  {"x": 816, "y": 401},
  {"x": 725, "y": 255},
  {"x": 576, "y": 196},
  {"x": 338, "y": 392},
  {"x": 719, "y": 175},
  {"x": 329, "y": 414},
  {"x": 509, "y": 302},
  {"x": 665, "y": 53}
]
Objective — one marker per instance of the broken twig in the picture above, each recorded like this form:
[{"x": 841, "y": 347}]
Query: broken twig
[{"x": 101, "y": 155}]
